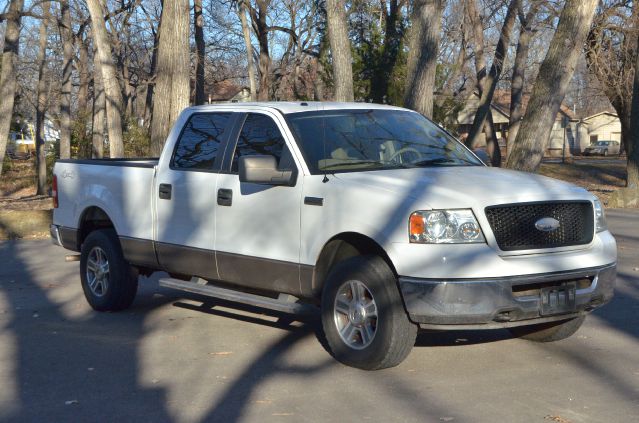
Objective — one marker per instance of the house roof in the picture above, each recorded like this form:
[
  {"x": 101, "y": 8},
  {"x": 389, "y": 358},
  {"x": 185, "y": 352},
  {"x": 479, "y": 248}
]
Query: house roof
[
  {"x": 599, "y": 114},
  {"x": 225, "y": 90},
  {"x": 502, "y": 100}
]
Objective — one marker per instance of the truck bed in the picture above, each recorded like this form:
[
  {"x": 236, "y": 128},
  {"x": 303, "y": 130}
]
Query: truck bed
[{"x": 122, "y": 188}]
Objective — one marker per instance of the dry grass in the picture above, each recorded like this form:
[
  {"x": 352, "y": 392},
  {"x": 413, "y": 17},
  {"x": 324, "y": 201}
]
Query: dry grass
[
  {"x": 601, "y": 178},
  {"x": 18, "y": 189}
]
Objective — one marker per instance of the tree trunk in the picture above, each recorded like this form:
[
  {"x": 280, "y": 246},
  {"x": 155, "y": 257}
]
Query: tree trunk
[
  {"x": 392, "y": 42},
  {"x": 261, "y": 27},
  {"x": 8, "y": 76},
  {"x": 114, "y": 106},
  {"x": 519, "y": 73},
  {"x": 491, "y": 80},
  {"x": 99, "y": 111},
  {"x": 84, "y": 78},
  {"x": 41, "y": 105},
  {"x": 549, "y": 90},
  {"x": 150, "y": 87},
  {"x": 67, "y": 68},
  {"x": 633, "y": 146},
  {"x": 249, "y": 49},
  {"x": 480, "y": 71},
  {"x": 340, "y": 50},
  {"x": 422, "y": 57},
  {"x": 172, "y": 82},
  {"x": 198, "y": 24}
]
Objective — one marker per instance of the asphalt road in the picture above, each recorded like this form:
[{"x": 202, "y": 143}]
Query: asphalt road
[{"x": 171, "y": 359}]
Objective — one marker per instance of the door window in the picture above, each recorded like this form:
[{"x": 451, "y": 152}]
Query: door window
[
  {"x": 200, "y": 141},
  {"x": 261, "y": 136}
]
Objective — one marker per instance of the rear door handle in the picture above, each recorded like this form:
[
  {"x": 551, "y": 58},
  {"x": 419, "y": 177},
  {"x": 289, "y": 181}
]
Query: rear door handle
[
  {"x": 224, "y": 197},
  {"x": 165, "y": 191}
]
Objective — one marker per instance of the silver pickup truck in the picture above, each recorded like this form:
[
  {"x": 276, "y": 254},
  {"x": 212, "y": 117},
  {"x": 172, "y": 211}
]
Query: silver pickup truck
[{"x": 371, "y": 214}]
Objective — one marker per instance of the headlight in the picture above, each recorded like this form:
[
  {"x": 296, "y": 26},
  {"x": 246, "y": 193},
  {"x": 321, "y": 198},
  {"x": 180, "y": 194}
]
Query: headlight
[
  {"x": 600, "y": 217},
  {"x": 444, "y": 227}
]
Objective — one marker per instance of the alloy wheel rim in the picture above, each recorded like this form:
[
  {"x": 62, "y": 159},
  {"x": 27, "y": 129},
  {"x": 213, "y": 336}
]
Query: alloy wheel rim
[
  {"x": 97, "y": 272},
  {"x": 355, "y": 314}
]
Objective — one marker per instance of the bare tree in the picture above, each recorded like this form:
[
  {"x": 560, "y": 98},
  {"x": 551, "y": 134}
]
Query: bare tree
[
  {"x": 172, "y": 86},
  {"x": 99, "y": 111},
  {"x": 8, "y": 76},
  {"x": 200, "y": 47},
  {"x": 423, "y": 43},
  {"x": 633, "y": 145},
  {"x": 41, "y": 105},
  {"x": 519, "y": 70},
  {"x": 549, "y": 90},
  {"x": 66, "y": 33},
  {"x": 475, "y": 22},
  {"x": 340, "y": 50},
  {"x": 490, "y": 82},
  {"x": 113, "y": 93},
  {"x": 241, "y": 11},
  {"x": 610, "y": 56},
  {"x": 393, "y": 34}
]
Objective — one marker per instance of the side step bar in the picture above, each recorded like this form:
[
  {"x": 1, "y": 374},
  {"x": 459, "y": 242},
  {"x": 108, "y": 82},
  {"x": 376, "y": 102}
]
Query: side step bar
[{"x": 240, "y": 297}]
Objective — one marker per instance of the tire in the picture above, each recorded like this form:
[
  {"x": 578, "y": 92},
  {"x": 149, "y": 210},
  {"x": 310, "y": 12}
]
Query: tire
[
  {"x": 549, "y": 332},
  {"x": 109, "y": 282},
  {"x": 605, "y": 153},
  {"x": 369, "y": 328}
]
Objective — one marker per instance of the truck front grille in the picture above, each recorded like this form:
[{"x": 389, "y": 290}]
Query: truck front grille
[{"x": 514, "y": 225}]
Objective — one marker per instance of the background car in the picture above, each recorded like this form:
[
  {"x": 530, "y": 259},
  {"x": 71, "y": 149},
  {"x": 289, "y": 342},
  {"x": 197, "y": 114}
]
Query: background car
[{"x": 603, "y": 148}]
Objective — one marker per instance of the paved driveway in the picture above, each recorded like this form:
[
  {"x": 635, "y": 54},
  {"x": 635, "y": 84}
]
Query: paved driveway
[{"x": 173, "y": 359}]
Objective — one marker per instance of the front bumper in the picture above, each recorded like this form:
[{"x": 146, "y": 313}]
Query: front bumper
[{"x": 502, "y": 302}]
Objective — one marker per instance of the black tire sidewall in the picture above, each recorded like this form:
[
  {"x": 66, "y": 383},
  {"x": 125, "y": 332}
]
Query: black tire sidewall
[
  {"x": 122, "y": 277},
  {"x": 381, "y": 282}
]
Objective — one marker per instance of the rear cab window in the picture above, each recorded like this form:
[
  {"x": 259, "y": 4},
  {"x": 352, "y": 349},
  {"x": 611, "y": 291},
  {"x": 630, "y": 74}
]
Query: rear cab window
[{"x": 199, "y": 144}]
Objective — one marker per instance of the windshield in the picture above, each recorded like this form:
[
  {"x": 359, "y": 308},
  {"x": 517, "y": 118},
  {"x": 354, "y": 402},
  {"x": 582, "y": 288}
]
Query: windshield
[
  {"x": 602, "y": 143},
  {"x": 351, "y": 140}
]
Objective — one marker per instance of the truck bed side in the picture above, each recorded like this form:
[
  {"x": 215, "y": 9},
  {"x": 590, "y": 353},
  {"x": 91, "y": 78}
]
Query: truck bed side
[{"x": 123, "y": 189}]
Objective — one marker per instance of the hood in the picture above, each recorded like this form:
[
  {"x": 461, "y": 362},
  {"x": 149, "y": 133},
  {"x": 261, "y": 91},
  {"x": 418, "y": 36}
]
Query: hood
[{"x": 465, "y": 186}]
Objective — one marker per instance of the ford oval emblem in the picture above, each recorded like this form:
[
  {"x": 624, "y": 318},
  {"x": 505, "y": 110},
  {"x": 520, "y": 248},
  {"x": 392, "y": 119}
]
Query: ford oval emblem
[{"x": 547, "y": 224}]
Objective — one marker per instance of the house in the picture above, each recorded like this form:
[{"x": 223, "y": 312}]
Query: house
[
  {"x": 229, "y": 91},
  {"x": 604, "y": 126},
  {"x": 563, "y": 138}
]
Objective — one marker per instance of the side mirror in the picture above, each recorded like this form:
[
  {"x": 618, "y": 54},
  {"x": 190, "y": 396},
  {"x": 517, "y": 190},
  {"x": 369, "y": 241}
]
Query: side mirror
[{"x": 263, "y": 170}]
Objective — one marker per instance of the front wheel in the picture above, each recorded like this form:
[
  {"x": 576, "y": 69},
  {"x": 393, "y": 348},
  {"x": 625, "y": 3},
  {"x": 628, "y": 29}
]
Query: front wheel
[
  {"x": 549, "y": 332},
  {"x": 363, "y": 318},
  {"x": 109, "y": 282}
]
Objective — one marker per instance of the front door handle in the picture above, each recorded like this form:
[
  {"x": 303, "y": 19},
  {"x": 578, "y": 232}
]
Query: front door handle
[
  {"x": 224, "y": 197},
  {"x": 165, "y": 191}
]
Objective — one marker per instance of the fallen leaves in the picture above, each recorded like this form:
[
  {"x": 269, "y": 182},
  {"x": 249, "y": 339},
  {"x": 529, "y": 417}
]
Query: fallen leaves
[{"x": 557, "y": 419}]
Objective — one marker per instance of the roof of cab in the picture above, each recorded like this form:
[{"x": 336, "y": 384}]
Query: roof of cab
[{"x": 287, "y": 107}]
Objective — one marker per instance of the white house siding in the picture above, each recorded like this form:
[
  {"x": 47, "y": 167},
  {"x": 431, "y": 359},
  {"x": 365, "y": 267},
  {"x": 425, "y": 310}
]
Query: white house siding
[{"x": 603, "y": 126}]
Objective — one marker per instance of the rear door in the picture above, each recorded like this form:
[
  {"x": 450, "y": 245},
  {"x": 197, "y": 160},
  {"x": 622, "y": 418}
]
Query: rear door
[
  {"x": 258, "y": 226},
  {"x": 186, "y": 197}
]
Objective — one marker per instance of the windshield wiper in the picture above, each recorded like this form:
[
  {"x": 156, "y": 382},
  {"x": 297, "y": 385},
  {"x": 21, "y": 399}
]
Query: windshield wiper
[
  {"x": 352, "y": 163},
  {"x": 440, "y": 160}
]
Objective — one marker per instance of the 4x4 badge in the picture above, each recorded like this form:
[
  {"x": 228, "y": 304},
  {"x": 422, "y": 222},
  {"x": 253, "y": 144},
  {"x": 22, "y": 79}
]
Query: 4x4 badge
[{"x": 547, "y": 224}]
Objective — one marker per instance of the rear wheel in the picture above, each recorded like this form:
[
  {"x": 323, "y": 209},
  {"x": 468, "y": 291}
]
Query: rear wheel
[
  {"x": 549, "y": 332},
  {"x": 109, "y": 282},
  {"x": 363, "y": 318}
]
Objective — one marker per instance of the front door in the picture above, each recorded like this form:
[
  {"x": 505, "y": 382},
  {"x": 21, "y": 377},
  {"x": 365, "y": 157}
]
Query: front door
[
  {"x": 258, "y": 226},
  {"x": 186, "y": 197}
]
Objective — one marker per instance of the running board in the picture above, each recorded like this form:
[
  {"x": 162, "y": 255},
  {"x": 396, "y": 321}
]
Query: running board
[{"x": 241, "y": 297}]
